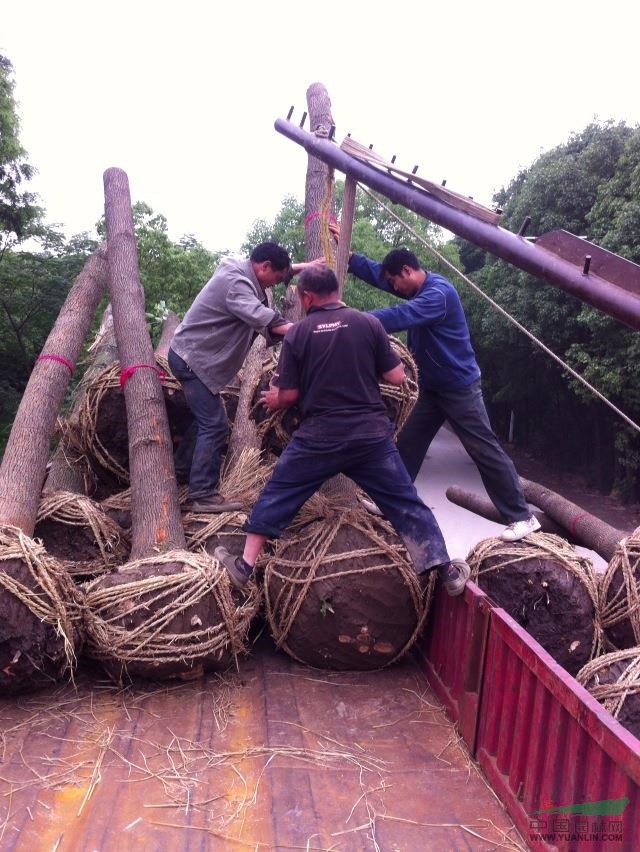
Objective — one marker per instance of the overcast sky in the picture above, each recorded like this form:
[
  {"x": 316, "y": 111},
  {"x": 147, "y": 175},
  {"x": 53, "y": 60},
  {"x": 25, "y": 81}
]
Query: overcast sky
[{"x": 183, "y": 95}]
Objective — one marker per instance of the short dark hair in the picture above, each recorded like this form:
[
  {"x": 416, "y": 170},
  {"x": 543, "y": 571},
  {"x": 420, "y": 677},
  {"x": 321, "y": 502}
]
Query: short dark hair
[
  {"x": 319, "y": 280},
  {"x": 277, "y": 256},
  {"x": 396, "y": 259}
]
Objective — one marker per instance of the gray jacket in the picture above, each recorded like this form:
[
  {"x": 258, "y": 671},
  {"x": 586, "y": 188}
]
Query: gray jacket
[{"x": 219, "y": 327}]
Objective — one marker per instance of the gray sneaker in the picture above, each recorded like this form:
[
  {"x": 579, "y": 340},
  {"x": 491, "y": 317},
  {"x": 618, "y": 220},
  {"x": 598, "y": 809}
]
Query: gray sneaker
[
  {"x": 214, "y": 504},
  {"x": 454, "y": 576},
  {"x": 237, "y": 569}
]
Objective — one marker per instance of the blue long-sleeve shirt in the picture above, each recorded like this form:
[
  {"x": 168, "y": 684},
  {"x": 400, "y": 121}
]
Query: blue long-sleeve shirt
[{"x": 437, "y": 330}]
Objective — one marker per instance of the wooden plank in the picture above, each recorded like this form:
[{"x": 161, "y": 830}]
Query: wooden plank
[{"x": 460, "y": 202}]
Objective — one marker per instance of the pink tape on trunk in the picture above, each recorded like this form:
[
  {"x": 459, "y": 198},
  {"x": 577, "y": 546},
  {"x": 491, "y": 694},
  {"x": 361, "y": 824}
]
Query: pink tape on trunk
[
  {"x": 59, "y": 358},
  {"x": 127, "y": 372}
]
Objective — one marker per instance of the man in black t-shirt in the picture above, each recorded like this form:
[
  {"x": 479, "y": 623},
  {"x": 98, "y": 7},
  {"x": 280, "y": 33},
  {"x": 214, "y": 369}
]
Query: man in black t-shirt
[{"x": 330, "y": 365}]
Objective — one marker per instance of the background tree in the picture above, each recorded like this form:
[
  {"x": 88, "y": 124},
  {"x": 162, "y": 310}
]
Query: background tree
[
  {"x": 19, "y": 213},
  {"x": 584, "y": 186}
]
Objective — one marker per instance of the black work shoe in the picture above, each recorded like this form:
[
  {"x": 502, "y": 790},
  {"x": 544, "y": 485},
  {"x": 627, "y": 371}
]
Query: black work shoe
[
  {"x": 238, "y": 570},
  {"x": 214, "y": 504},
  {"x": 454, "y": 576}
]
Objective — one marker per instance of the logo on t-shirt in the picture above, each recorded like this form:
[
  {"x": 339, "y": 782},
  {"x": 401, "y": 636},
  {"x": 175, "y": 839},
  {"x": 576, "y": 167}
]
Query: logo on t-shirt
[{"x": 330, "y": 326}]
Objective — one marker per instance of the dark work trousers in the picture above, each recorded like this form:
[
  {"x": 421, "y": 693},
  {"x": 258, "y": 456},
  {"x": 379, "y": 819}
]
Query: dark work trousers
[
  {"x": 375, "y": 465},
  {"x": 199, "y": 455},
  {"x": 465, "y": 410}
]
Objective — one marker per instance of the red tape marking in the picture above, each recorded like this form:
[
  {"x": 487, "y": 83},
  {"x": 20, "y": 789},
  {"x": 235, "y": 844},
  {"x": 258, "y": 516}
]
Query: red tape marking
[
  {"x": 314, "y": 215},
  {"x": 127, "y": 372},
  {"x": 576, "y": 519},
  {"x": 60, "y": 359}
]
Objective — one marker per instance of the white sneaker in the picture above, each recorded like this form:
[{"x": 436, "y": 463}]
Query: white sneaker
[
  {"x": 519, "y": 529},
  {"x": 370, "y": 506}
]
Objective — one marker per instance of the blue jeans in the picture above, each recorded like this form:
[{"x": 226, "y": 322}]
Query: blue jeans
[
  {"x": 375, "y": 465},
  {"x": 465, "y": 410},
  {"x": 199, "y": 454}
]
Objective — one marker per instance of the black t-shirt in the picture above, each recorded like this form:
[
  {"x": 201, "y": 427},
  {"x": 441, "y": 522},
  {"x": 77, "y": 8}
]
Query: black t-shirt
[{"x": 335, "y": 357}]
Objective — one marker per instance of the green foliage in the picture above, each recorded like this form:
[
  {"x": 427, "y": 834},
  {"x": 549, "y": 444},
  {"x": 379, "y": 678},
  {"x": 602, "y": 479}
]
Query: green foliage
[
  {"x": 588, "y": 186},
  {"x": 19, "y": 213}
]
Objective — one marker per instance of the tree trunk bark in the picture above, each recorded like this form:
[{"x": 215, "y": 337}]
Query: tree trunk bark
[
  {"x": 171, "y": 322},
  {"x": 244, "y": 434},
  {"x": 65, "y": 472},
  {"x": 156, "y": 520},
  {"x": 25, "y": 458},
  {"x": 588, "y": 530},
  {"x": 319, "y": 186}
]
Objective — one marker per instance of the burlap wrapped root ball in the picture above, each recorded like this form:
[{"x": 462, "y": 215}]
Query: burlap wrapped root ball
[
  {"x": 548, "y": 589},
  {"x": 167, "y": 616},
  {"x": 614, "y": 680},
  {"x": 80, "y": 534},
  {"x": 341, "y": 592},
  {"x": 620, "y": 594},
  {"x": 40, "y": 617},
  {"x": 105, "y": 439},
  {"x": 276, "y": 428}
]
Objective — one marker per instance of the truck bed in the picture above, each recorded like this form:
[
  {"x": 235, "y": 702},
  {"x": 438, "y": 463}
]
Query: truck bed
[{"x": 276, "y": 755}]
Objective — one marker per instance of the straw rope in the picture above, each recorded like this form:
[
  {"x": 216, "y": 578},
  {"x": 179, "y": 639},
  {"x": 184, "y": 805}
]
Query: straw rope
[
  {"x": 314, "y": 534},
  {"x": 76, "y": 510},
  {"x": 55, "y": 600},
  {"x": 541, "y": 546},
  {"x": 612, "y": 695},
  {"x": 625, "y": 602},
  {"x": 109, "y": 379},
  {"x": 159, "y": 599}
]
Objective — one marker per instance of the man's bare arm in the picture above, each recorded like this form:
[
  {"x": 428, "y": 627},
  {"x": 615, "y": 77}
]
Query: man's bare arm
[{"x": 396, "y": 376}]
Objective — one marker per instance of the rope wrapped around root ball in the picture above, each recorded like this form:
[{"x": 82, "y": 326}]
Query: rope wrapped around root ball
[
  {"x": 341, "y": 592},
  {"x": 275, "y": 428},
  {"x": 95, "y": 535},
  {"x": 620, "y": 594},
  {"x": 614, "y": 680},
  {"x": 548, "y": 589},
  {"x": 40, "y": 616},
  {"x": 92, "y": 438},
  {"x": 168, "y": 615}
]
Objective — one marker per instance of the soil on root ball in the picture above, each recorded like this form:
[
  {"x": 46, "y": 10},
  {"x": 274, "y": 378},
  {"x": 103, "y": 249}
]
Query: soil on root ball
[
  {"x": 178, "y": 649},
  {"x": 32, "y": 652},
  {"x": 361, "y": 620},
  {"x": 550, "y": 602}
]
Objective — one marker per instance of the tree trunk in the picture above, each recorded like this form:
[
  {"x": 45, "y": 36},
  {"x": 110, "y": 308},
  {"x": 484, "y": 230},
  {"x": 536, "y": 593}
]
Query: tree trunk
[
  {"x": 588, "y": 530},
  {"x": 171, "y": 322},
  {"x": 244, "y": 434},
  {"x": 25, "y": 458},
  {"x": 66, "y": 470},
  {"x": 156, "y": 521},
  {"x": 319, "y": 187}
]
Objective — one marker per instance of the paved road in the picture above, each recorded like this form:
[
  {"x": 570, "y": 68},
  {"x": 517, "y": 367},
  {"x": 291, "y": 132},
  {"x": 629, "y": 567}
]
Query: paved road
[{"x": 448, "y": 464}]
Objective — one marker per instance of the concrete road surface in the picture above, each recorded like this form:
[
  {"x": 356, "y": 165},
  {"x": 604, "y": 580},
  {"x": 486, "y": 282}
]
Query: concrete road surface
[{"x": 447, "y": 464}]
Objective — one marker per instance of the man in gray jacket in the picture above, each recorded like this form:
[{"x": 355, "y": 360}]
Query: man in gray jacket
[{"x": 208, "y": 349}]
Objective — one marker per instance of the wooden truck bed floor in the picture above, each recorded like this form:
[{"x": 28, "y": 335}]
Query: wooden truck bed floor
[{"x": 275, "y": 756}]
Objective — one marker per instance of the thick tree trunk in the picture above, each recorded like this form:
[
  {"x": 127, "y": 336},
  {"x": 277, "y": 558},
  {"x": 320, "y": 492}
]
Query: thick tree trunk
[
  {"x": 66, "y": 471},
  {"x": 319, "y": 187},
  {"x": 156, "y": 521},
  {"x": 587, "y": 530},
  {"x": 25, "y": 458}
]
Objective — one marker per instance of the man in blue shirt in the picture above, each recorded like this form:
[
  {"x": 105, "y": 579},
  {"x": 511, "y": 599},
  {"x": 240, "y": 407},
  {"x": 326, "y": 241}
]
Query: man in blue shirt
[{"x": 449, "y": 378}]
